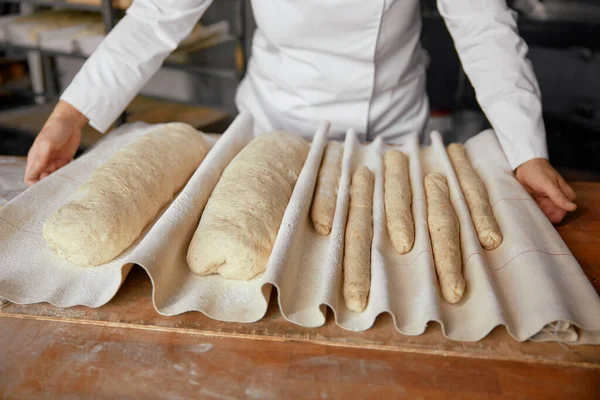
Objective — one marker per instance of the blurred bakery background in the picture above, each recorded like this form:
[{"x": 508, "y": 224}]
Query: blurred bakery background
[{"x": 44, "y": 42}]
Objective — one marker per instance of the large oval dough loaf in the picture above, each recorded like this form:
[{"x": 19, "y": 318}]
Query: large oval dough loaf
[
  {"x": 110, "y": 210},
  {"x": 239, "y": 225}
]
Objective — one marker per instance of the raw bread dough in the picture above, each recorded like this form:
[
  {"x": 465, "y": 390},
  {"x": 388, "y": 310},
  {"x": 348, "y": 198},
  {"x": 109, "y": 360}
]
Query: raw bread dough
[
  {"x": 110, "y": 210},
  {"x": 240, "y": 222},
  {"x": 476, "y": 197},
  {"x": 444, "y": 231},
  {"x": 359, "y": 237},
  {"x": 398, "y": 198},
  {"x": 323, "y": 208}
]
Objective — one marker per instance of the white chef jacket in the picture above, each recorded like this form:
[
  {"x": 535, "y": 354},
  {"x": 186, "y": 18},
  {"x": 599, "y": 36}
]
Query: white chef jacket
[{"x": 356, "y": 63}]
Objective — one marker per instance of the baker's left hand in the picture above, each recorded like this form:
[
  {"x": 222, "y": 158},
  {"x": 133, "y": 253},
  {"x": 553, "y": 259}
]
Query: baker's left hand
[{"x": 549, "y": 189}]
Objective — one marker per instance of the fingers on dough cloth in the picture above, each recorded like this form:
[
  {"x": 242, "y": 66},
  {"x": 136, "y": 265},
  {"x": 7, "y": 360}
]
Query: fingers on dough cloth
[
  {"x": 476, "y": 197},
  {"x": 241, "y": 219},
  {"x": 323, "y": 207},
  {"x": 444, "y": 231},
  {"x": 110, "y": 210},
  {"x": 398, "y": 199},
  {"x": 358, "y": 240}
]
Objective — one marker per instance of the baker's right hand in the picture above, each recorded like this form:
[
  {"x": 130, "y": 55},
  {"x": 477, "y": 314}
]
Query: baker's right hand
[{"x": 56, "y": 143}]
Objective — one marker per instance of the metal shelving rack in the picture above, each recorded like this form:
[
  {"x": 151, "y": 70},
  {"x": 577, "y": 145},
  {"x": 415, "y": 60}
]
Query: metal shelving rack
[{"x": 109, "y": 16}]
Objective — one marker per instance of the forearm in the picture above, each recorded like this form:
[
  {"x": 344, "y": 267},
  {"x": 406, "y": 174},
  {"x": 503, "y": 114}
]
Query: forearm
[
  {"x": 494, "y": 58},
  {"x": 131, "y": 53},
  {"x": 66, "y": 111}
]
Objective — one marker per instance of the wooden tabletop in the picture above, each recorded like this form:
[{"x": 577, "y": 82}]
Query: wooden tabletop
[{"x": 126, "y": 349}]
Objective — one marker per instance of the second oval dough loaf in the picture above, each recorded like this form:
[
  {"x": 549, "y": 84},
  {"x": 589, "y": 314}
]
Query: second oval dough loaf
[
  {"x": 239, "y": 225},
  {"x": 110, "y": 210}
]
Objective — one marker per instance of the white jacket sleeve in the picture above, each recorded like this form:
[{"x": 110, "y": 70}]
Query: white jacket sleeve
[
  {"x": 494, "y": 58},
  {"x": 129, "y": 55}
]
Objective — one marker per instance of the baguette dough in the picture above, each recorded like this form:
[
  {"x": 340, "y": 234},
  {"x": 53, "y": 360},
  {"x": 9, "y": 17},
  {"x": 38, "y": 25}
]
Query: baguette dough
[
  {"x": 398, "y": 198},
  {"x": 476, "y": 197},
  {"x": 239, "y": 225},
  {"x": 323, "y": 208},
  {"x": 359, "y": 237},
  {"x": 121, "y": 197},
  {"x": 445, "y": 238}
]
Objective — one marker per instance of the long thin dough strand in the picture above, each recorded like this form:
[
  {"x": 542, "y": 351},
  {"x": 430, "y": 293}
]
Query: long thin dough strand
[
  {"x": 359, "y": 235},
  {"x": 444, "y": 231},
  {"x": 398, "y": 198},
  {"x": 476, "y": 197},
  {"x": 323, "y": 208}
]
